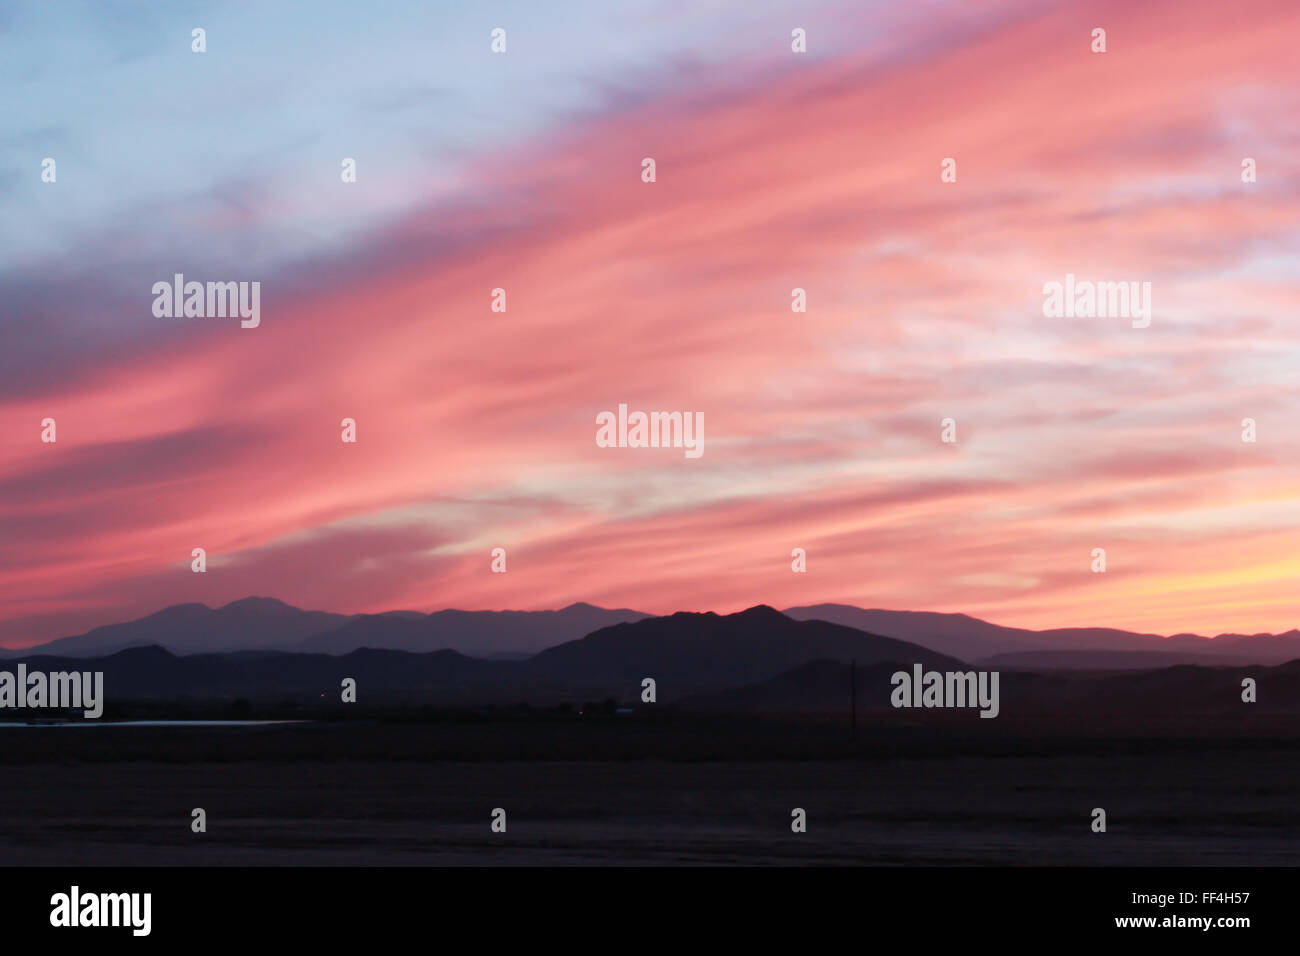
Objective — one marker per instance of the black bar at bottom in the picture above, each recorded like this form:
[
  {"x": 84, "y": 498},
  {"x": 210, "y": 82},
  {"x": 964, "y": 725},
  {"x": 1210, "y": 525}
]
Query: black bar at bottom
[{"x": 674, "y": 906}]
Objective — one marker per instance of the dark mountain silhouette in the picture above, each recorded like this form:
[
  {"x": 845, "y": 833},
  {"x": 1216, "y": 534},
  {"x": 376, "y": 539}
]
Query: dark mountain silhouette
[
  {"x": 494, "y": 632},
  {"x": 822, "y": 685},
  {"x": 688, "y": 649},
  {"x": 1180, "y": 692},
  {"x": 267, "y": 624},
  {"x": 971, "y": 638},
  {"x": 1264, "y": 647},
  {"x": 1103, "y": 660},
  {"x": 251, "y": 624},
  {"x": 682, "y": 652},
  {"x": 153, "y": 673}
]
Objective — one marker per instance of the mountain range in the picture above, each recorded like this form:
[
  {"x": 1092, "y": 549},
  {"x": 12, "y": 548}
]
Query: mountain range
[
  {"x": 754, "y": 661},
  {"x": 267, "y": 624},
  {"x": 684, "y": 653},
  {"x": 983, "y": 643}
]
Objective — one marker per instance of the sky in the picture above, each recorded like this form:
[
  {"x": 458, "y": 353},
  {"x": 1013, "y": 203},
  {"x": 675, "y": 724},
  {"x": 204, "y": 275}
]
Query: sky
[{"x": 774, "y": 170}]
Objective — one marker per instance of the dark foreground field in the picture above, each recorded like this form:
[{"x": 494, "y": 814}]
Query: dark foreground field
[{"x": 672, "y": 792}]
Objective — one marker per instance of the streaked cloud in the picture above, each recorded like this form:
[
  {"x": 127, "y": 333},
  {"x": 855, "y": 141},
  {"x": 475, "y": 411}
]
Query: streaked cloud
[{"x": 822, "y": 429}]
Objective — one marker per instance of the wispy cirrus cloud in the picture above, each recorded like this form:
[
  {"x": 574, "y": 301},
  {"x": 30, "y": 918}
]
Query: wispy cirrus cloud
[{"x": 822, "y": 429}]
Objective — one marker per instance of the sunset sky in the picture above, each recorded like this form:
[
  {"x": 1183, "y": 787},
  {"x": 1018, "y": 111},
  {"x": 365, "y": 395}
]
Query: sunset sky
[{"x": 775, "y": 170}]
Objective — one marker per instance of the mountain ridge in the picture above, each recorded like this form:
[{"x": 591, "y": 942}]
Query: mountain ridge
[
  {"x": 683, "y": 653},
  {"x": 258, "y": 623}
]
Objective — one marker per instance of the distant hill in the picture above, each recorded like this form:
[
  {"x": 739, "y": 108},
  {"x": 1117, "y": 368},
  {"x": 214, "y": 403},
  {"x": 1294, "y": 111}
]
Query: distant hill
[
  {"x": 1101, "y": 660},
  {"x": 971, "y": 638},
  {"x": 251, "y": 624},
  {"x": 696, "y": 650},
  {"x": 1170, "y": 692},
  {"x": 490, "y": 633},
  {"x": 152, "y": 673},
  {"x": 267, "y": 624},
  {"x": 817, "y": 686},
  {"x": 755, "y": 661},
  {"x": 684, "y": 652}
]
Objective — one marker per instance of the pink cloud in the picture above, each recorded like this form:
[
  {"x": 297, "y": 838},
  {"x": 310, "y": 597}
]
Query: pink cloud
[{"x": 822, "y": 429}]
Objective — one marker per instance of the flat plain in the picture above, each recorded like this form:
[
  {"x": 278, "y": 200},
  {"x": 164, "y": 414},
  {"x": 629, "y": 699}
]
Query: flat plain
[{"x": 679, "y": 791}]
